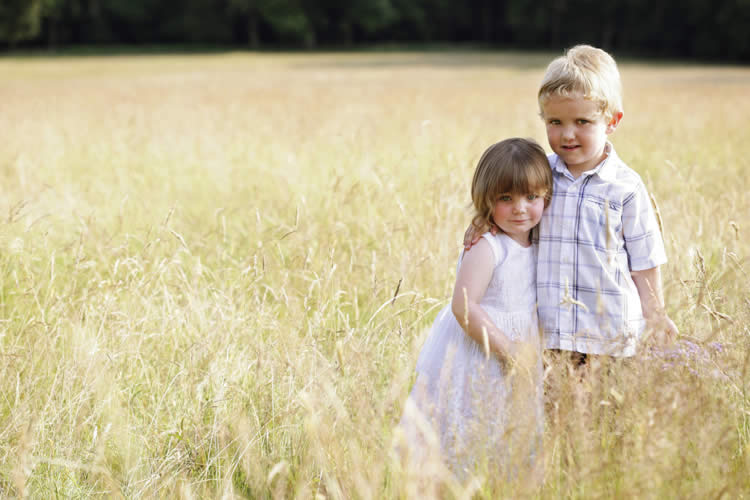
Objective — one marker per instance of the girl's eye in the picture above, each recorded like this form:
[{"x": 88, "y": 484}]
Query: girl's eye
[
  {"x": 532, "y": 197},
  {"x": 503, "y": 197}
]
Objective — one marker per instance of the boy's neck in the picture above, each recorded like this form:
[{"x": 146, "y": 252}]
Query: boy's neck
[{"x": 576, "y": 172}]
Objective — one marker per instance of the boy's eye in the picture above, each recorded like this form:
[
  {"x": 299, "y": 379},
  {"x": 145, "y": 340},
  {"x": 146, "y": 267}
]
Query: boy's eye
[
  {"x": 582, "y": 121},
  {"x": 554, "y": 121}
]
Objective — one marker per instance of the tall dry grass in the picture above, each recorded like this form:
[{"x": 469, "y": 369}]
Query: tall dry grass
[{"x": 217, "y": 271}]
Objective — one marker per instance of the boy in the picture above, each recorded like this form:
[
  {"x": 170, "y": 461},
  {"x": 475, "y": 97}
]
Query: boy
[{"x": 600, "y": 247}]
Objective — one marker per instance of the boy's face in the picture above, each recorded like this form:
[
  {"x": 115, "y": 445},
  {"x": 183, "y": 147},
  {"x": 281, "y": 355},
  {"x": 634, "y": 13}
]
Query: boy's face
[{"x": 577, "y": 131}]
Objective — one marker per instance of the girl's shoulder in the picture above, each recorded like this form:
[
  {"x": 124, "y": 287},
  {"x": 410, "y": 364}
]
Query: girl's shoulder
[{"x": 498, "y": 245}]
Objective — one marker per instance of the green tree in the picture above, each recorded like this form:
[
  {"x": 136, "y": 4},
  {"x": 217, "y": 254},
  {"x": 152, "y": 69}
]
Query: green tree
[
  {"x": 248, "y": 12},
  {"x": 19, "y": 20},
  {"x": 734, "y": 18},
  {"x": 287, "y": 20},
  {"x": 53, "y": 12}
]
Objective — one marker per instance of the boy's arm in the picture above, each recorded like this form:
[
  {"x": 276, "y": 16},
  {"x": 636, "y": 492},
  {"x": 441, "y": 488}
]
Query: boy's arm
[
  {"x": 645, "y": 248},
  {"x": 471, "y": 283},
  {"x": 648, "y": 283}
]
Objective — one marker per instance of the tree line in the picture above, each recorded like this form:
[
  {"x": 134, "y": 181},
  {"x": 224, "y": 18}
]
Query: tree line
[{"x": 674, "y": 28}]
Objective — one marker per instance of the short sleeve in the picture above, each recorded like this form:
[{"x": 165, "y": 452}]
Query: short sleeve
[
  {"x": 641, "y": 232},
  {"x": 498, "y": 250}
]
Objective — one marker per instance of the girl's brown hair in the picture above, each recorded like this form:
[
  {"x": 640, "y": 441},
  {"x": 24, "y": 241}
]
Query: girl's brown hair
[{"x": 510, "y": 166}]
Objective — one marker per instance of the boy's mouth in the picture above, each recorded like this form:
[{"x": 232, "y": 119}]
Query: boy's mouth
[{"x": 570, "y": 148}]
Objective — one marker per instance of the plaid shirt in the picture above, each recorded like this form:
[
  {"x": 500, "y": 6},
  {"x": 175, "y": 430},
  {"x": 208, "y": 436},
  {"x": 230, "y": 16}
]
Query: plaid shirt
[{"x": 597, "y": 229}]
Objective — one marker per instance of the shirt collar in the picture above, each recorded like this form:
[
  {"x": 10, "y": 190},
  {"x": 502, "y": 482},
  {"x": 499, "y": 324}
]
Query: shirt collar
[{"x": 606, "y": 170}]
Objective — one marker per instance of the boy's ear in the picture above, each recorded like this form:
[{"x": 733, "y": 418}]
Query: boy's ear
[{"x": 614, "y": 122}]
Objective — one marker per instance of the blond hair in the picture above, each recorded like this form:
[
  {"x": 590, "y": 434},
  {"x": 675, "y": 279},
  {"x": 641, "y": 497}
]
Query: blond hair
[
  {"x": 586, "y": 70},
  {"x": 511, "y": 166}
]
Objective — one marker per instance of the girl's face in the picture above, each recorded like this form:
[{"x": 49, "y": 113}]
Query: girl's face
[{"x": 516, "y": 214}]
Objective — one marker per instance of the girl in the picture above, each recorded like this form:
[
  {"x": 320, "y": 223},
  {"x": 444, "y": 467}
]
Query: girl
[{"x": 477, "y": 399}]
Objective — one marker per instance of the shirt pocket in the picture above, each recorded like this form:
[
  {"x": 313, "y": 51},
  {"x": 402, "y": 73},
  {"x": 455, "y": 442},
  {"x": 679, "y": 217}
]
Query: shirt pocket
[{"x": 604, "y": 218}]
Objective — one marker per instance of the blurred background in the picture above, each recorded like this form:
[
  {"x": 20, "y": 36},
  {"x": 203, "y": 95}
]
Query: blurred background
[{"x": 715, "y": 30}]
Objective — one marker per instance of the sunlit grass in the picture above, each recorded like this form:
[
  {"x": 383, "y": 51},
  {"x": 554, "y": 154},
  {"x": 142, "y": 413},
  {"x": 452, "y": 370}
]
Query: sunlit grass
[{"x": 200, "y": 256}]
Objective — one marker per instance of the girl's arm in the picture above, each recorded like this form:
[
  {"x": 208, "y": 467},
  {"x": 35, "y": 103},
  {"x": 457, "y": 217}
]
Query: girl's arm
[{"x": 474, "y": 276}]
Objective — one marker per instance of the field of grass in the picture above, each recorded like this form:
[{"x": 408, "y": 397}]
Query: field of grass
[{"x": 216, "y": 272}]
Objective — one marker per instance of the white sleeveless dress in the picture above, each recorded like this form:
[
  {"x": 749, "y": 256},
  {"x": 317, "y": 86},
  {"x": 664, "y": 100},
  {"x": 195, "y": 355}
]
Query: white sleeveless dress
[{"x": 478, "y": 411}]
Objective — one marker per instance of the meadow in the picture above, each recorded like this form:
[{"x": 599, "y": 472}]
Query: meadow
[{"x": 216, "y": 272}]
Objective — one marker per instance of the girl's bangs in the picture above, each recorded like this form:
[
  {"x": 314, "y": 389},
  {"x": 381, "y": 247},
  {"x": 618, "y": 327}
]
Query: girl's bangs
[{"x": 523, "y": 181}]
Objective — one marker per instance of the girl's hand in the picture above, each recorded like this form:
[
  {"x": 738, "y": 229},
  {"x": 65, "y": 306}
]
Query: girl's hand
[
  {"x": 472, "y": 236},
  {"x": 524, "y": 366},
  {"x": 524, "y": 356}
]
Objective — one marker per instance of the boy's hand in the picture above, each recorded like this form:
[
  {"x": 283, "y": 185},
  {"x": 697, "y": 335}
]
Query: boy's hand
[
  {"x": 663, "y": 329},
  {"x": 472, "y": 236},
  {"x": 648, "y": 283}
]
